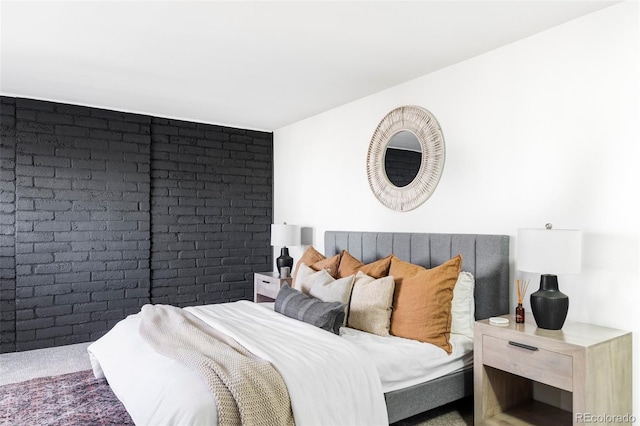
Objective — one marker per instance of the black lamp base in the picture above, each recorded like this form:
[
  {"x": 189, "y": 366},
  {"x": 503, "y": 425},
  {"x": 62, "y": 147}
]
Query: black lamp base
[
  {"x": 284, "y": 259},
  {"x": 549, "y": 305}
]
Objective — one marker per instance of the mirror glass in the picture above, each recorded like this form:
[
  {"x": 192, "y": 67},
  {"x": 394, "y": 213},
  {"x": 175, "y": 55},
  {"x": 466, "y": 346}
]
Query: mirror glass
[{"x": 402, "y": 158}]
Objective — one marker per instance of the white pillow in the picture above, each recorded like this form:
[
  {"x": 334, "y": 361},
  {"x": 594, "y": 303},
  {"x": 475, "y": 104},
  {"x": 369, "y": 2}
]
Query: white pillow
[
  {"x": 463, "y": 305},
  {"x": 328, "y": 289},
  {"x": 307, "y": 276}
]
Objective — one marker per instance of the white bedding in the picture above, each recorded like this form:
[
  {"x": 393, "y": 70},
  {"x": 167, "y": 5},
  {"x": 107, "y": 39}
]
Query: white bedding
[
  {"x": 402, "y": 362},
  {"x": 330, "y": 380}
]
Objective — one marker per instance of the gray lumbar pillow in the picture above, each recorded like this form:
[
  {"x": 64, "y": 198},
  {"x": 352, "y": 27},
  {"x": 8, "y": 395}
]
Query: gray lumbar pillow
[{"x": 295, "y": 304}]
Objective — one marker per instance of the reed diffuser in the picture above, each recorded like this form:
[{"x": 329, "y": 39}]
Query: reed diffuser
[{"x": 521, "y": 286}]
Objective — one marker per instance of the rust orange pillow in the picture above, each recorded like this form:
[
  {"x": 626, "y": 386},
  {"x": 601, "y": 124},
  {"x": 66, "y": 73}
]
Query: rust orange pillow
[
  {"x": 422, "y": 301},
  {"x": 349, "y": 265},
  {"x": 317, "y": 261}
]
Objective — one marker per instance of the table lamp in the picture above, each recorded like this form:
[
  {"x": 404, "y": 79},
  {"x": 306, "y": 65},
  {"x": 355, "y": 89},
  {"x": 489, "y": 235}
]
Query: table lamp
[
  {"x": 549, "y": 252},
  {"x": 284, "y": 235}
]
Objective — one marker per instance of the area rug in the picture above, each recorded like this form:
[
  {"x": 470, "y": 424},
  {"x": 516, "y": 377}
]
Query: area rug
[
  {"x": 69, "y": 399},
  {"x": 81, "y": 399}
]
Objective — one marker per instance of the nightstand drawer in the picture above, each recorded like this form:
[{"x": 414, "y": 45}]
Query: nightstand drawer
[
  {"x": 267, "y": 288},
  {"x": 541, "y": 365}
]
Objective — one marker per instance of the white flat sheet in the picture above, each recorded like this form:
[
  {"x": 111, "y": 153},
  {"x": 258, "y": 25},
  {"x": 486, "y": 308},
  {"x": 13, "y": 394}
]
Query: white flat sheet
[
  {"x": 330, "y": 380},
  {"x": 403, "y": 362}
]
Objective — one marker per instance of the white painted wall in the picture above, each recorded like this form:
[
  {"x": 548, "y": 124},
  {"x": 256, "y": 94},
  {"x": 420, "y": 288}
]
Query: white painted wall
[{"x": 543, "y": 130}]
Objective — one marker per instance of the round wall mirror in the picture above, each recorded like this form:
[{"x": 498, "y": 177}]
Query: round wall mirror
[{"x": 405, "y": 158}]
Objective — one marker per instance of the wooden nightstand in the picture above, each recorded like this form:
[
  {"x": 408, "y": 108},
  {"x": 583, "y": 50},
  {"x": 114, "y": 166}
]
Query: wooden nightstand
[
  {"x": 591, "y": 362},
  {"x": 266, "y": 286}
]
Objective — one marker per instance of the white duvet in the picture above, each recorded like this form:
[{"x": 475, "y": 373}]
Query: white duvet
[
  {"x": 402, "y": 363},
  {"x": 331, "y": 381}
]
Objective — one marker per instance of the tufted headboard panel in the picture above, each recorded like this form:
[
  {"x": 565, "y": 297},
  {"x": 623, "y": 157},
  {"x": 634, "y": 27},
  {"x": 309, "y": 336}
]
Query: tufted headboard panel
[{"x": 485, "y": 256}]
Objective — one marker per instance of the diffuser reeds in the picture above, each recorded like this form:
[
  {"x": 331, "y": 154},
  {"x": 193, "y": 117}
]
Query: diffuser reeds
[{"x": 521, "y": 286}]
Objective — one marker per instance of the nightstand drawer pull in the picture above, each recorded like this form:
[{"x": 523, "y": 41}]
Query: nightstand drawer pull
[
  {"x": 523, "y": 346},
  {"x": 266, "y": 282}
]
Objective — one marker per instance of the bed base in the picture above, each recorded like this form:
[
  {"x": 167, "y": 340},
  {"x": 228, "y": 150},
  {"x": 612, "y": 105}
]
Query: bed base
[
  {"x": 422, "y": 397},
  {"x": 485, "y": 256}
]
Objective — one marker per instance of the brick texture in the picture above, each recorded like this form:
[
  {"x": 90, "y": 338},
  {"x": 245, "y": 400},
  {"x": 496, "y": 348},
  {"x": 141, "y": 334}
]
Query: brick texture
[
  {"x": 7, "y": 225},
  {"x": 103, "y": 211},
  {"x": 211, "y": 211},
  {"x": 82, "y": 221}
]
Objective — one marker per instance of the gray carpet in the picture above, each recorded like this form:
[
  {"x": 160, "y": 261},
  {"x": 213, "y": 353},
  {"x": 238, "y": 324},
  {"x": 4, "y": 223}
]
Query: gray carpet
[{"x": 21, "y": 366}]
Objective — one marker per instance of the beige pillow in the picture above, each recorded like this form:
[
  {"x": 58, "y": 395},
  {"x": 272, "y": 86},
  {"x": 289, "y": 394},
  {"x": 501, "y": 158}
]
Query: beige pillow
[
  {"x": 328, "y": 289},
  {"x": 422, "y": 301},
  {"x": 463, "y": 307},
  {"x": 370, "y": 307}
]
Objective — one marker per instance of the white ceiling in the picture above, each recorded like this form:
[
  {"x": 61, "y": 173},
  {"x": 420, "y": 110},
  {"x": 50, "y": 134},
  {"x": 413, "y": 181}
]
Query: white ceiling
[{"x": 258, "y": 65}]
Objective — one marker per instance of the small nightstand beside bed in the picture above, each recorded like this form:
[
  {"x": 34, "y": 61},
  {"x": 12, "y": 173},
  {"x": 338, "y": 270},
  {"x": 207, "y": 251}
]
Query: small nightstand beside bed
[{"x": 352, "y": 377}]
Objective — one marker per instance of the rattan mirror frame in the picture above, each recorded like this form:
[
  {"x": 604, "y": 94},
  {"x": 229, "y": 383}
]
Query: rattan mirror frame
[{"x": 424, "y": 125}]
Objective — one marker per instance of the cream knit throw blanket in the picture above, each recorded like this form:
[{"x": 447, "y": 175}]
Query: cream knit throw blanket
[{"x": 248, "y": 390}]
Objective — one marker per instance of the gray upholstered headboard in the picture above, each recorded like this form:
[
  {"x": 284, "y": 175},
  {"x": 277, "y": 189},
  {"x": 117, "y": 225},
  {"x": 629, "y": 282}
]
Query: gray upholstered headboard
[{"x": 485, "y": 256}]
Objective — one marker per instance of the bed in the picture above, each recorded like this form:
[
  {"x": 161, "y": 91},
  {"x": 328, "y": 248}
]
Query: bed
[
  {"x": 485, "y": 256},
  {"x": 139, "y": 376}
]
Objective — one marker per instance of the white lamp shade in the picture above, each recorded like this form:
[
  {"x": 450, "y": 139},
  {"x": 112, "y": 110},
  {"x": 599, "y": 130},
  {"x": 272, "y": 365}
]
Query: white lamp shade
[
  {"x": 549, "y": 251},
  {"x": 283, "y": 235}
]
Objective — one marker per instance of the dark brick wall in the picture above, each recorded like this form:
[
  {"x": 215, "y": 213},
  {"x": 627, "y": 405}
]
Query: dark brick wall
[
  {"x": 7, "y": 225},
  {"x": 103, "y": 211},
  {"x": 82, "y": 221},
  {"x": 402, "y": 165},
  {"x": 211, "y": 211}
]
